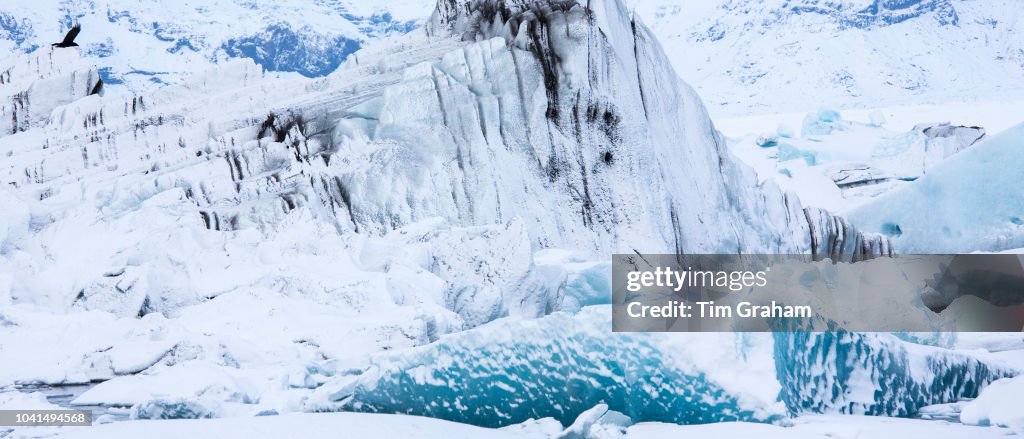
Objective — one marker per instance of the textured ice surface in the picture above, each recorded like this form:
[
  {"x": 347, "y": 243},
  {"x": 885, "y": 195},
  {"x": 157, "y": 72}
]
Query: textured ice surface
[
  {"x": 873, "y": 374},
  {"x": 248, "y": 239},
  {"x": 161, "y": 200},
  {"x": 961, "y": 205},
  {"x": 559, "y": 366},
  {"x": 824, "y": 121},
  {"x": 33, "y": 85}
]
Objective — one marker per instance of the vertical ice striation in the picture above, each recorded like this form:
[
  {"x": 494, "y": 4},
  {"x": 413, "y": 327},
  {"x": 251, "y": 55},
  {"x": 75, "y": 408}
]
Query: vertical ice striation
[
  {"x": 833, "y": 237},
  {"x": 568, "y": 114},
  {"x": 33, "y": 85},
  {"x": 874, "y": 374}
]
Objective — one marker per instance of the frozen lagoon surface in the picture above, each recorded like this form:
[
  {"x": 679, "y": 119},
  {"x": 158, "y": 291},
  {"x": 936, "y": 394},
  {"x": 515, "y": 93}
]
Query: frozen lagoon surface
[{"x": 371, "y": 425}]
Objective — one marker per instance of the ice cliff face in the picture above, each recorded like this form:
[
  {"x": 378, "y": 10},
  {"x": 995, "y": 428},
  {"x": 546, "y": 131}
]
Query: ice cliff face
[
  {"x": 559, "y": 107},
  {"x": 562, "y": 117},
  {"x": 35, "y": 84}
]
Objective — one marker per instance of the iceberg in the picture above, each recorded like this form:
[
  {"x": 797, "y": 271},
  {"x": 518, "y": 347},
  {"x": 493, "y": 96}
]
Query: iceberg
[
  {"x": 560, "y": 366},
  {"x": 874, "y": 374},
  {"x": 963, "y": 204},
  {"x": 822, "y": 122},
  {"x": 999, "y": 404}
]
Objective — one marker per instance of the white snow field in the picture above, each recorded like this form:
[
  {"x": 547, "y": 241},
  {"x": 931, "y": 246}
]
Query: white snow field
[
  {"x": 374, "y": 425},
  {"x": 425, "y": 231},
  {"x": 750, "y": 57}
]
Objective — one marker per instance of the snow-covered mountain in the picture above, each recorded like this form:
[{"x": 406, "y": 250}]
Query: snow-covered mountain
[
  {"x": 742, "y": 56},
  {"x": 146, "y": 43},
  {"x": 767, "y": 56}
]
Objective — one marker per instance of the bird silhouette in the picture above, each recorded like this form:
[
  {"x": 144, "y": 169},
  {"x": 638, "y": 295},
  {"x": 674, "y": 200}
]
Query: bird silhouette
[{"x": 69, "y": 38}]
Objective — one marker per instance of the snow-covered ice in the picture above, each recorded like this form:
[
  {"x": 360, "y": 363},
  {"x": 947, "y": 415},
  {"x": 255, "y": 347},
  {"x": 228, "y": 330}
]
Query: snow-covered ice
[
  {"x": 999, "y": 405},
  {"x": 966, "y": 203}
]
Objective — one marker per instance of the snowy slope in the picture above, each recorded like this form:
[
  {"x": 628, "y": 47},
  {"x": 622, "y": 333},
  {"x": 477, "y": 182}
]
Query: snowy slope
[{"x": 754, "y": 56}]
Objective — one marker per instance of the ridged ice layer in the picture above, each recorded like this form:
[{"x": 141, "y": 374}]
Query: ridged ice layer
[{"x": 873, "y": 374}]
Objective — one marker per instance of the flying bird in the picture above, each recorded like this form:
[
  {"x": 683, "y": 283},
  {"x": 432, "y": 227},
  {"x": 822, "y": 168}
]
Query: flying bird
[{"x": 69, "y": 38}]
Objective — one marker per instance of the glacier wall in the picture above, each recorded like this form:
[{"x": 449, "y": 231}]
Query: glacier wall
[
  {"x": 562, "y": 117},
  {"x": 33, "y": 85},
  {"x": 568, "y": 108}
]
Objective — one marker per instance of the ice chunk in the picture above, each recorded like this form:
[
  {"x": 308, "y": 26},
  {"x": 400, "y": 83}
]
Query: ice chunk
[
  {"x": 961, "y": 205},
  {"x": 856, "y": 174},
  {"x": 828, "y": 114},
  {"x": 176, "y": 409},
  {"x": 767, "y": 140},
  {"x": 873, "y": 374},
  {"x": 877, "y": 118},
  {"x": 1001, "y": 403},
  {"x": 824, "y": 121},
  {"x": 785, "y": 131},
  {"x": 912, "y": 154},
  {"x": 789, "y": 152},
  {"x": 597, "y": 423},
  {"x": 560, "y": 366}
]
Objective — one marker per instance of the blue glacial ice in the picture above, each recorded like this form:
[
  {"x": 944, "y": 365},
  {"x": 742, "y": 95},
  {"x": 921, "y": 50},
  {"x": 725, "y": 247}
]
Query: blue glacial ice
[
  {"x": 873, "y": 374},
  {"x": 969, "y": 202},
  {"x": 822, "y": 122},
  {"x": 559, "y": 366}
]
